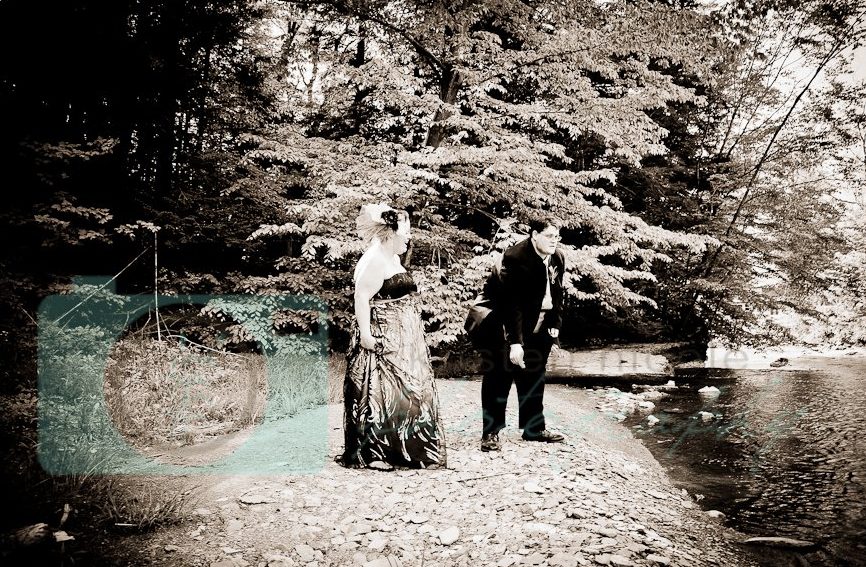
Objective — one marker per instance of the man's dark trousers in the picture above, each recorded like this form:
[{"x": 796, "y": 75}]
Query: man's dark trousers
[{"x": 500, "y": 373}]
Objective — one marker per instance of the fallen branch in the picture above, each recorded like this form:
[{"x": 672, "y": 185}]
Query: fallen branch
[{"x": 484, "y": 477}]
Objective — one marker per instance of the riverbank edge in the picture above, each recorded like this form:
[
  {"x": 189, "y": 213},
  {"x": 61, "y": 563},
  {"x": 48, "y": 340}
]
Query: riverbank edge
[{"x": 656, "y": 363}]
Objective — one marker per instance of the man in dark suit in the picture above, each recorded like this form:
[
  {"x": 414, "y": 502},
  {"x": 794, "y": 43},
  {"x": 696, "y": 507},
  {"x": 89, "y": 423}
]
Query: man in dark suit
[{"x": 518, "y": 335}]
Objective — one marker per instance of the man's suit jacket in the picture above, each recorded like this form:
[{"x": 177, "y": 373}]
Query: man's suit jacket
[{"x": 516, "y": 293}]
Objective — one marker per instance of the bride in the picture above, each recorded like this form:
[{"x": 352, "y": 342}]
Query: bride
[{"x": 391, "y": 405}]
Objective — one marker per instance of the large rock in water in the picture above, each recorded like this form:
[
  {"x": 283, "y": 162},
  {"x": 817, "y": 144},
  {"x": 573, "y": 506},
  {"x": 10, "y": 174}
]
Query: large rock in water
[{"x": 615, "y": 363}]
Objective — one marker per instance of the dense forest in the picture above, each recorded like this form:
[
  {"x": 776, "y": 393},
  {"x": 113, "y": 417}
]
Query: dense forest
[{"x": 707, "y": 159}]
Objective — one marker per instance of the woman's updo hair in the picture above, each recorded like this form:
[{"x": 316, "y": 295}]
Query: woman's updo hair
[{"x": 380, "y": 221}]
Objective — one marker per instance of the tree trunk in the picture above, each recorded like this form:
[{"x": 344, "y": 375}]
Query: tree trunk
[
  {"x": 166, "y": 127},
  {"x": 361, "y": 51},
  {"x": 452, "y": 80},
  {"x": 203, "y": 116},
  {"x": 407, "y": 257}
]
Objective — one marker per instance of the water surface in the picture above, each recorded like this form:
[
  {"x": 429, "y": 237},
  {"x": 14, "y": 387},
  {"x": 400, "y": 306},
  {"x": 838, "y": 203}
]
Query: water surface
[{"x": 783, "y": 455}]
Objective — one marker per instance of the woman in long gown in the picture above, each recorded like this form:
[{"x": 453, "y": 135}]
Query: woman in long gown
[{"x": 391, "y": 405}]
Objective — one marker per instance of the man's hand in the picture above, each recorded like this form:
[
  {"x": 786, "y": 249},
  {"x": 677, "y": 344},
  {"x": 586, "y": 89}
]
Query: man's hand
[
  {"x": 554, "y": 348},
  {"x": 516, "y": 355}
]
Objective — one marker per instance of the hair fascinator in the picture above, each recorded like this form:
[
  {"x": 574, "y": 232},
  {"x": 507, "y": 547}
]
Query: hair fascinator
[
  {"x": 390, "y": 219},
  {"x": 378, "y": 220}
]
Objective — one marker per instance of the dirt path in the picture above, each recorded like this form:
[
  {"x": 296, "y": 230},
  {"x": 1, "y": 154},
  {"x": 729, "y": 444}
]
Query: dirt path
[{"x": 599, "y": 498}]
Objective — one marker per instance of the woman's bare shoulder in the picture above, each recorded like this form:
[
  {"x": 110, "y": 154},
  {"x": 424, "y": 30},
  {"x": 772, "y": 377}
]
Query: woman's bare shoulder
[{"x": 371, "y": 265}]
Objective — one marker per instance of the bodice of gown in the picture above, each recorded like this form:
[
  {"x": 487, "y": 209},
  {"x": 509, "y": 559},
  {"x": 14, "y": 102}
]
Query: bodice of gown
[{"x": 397, "y": 286}]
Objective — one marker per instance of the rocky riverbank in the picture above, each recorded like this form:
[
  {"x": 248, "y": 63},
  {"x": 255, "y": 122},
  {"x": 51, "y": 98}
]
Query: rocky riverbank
[{"x": 598, "y": 499}]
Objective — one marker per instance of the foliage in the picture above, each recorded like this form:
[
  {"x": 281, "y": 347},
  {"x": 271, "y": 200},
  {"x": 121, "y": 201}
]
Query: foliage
[
  {"x": 118, "y": 119},
  {"x": 760, "y": 171},
  {"x": 838, "y": 310},
  {"x": 491, "y": 115},
  {"x": 258, "y": 319},
  {"x": 678, "y": 142}
]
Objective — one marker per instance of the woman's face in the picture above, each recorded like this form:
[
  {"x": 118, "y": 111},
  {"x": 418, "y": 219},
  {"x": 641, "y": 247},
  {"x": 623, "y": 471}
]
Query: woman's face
[{"x": 401, "y": 242}]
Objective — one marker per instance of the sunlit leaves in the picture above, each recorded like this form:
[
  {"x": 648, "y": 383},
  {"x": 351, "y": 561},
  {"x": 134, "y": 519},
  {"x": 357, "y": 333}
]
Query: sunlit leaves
[{"x": 539, "y": 108}]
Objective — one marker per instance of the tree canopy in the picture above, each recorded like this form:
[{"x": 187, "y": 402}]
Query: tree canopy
[{"x": 704, "y": 158}]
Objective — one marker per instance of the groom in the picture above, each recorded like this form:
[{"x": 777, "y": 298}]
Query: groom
[{"x": 519, "y": 333}]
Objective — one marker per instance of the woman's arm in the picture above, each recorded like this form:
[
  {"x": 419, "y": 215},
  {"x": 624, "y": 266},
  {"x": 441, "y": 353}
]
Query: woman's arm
[{"x": 369, "y": 282}]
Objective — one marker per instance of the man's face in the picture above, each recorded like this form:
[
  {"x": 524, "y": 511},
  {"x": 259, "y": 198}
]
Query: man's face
[{"x": 546, "y": 240}]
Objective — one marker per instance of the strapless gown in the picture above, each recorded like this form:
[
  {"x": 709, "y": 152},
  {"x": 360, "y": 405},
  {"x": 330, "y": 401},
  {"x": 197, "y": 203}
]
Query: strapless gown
[{"x": 391, "y": 404}]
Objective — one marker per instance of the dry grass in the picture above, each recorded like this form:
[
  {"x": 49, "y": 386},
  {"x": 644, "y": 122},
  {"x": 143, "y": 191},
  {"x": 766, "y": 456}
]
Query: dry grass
[
  {"x": 164, "y": 391},
  {"x": 88, "y": 501},
  {"x": 141, "y": 503},
  {"x": 295, "y": 382},
  {"x": 336, "y": 376}
]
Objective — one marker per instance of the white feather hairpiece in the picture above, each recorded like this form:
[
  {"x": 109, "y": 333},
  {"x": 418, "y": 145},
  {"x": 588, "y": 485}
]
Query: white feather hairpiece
[{"x": 370, "y": 223}]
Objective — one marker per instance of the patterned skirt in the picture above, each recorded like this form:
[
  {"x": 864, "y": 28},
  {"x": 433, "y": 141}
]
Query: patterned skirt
[{"x": 391, "y": 404}]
